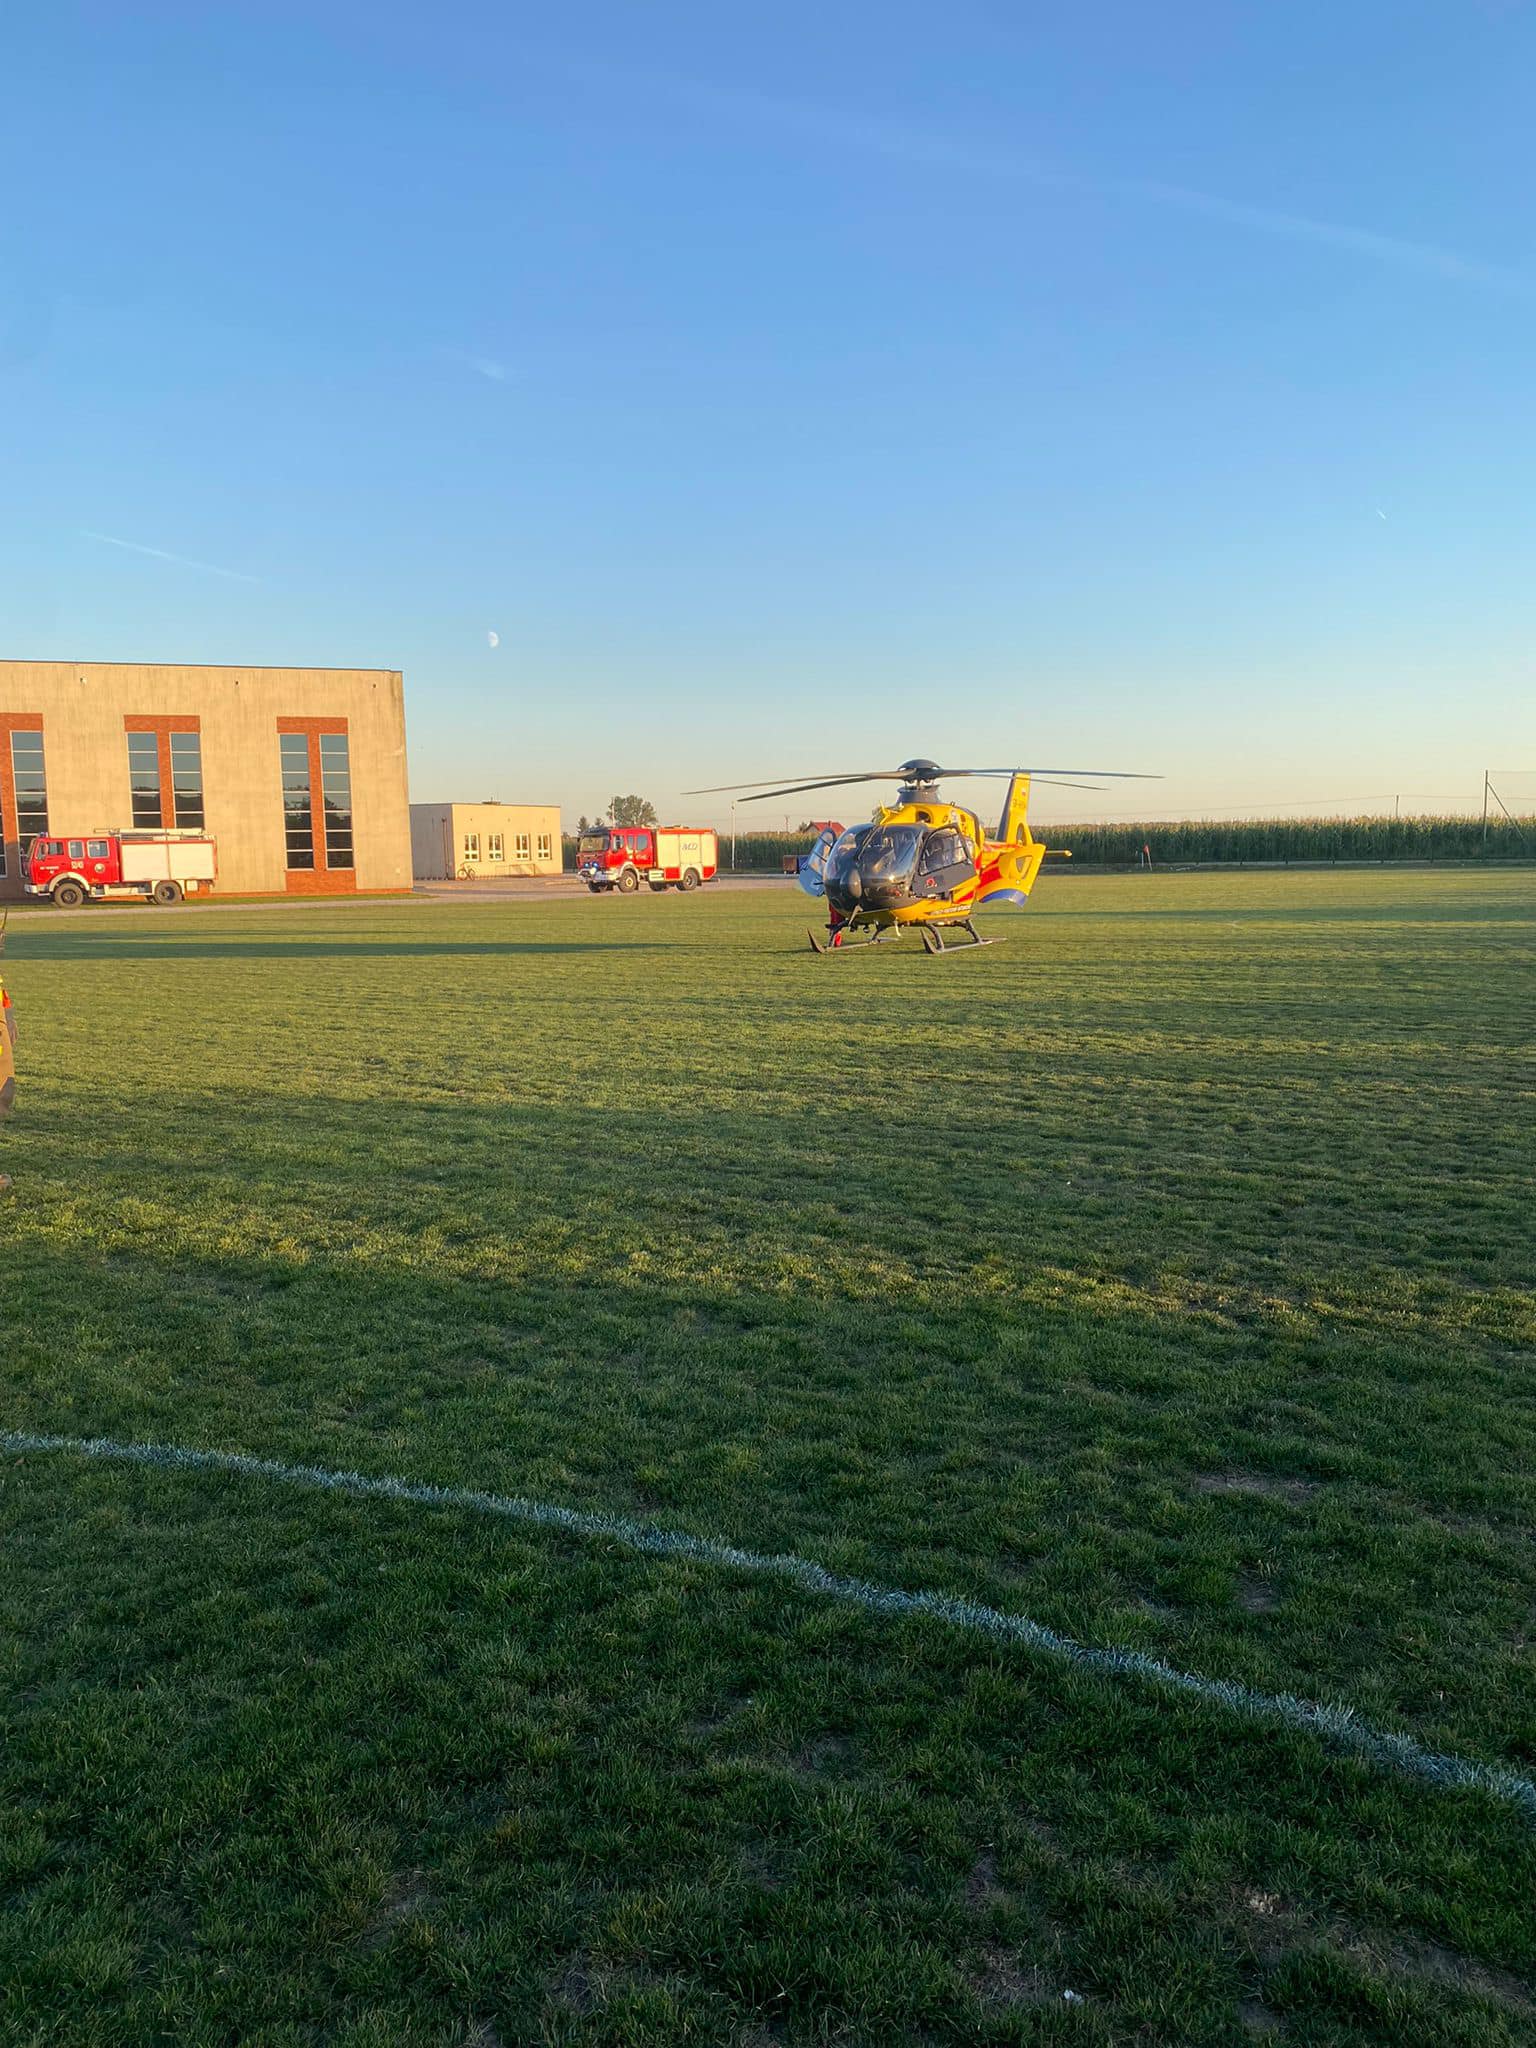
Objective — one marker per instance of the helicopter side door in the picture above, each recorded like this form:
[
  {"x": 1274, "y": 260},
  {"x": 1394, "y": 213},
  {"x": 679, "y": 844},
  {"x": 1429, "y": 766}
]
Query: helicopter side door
[
  {"x": 811, "y": 873},
  {"x": 946, "y": 862}
]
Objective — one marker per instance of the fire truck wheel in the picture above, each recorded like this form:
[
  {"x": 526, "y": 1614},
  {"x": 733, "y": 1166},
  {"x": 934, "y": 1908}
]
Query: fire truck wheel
[
  {"x": 629, "y": 881},
  {"x": 68, "y": 894},
  {"x": 167, "y": 892},
  {"x": 690, "y": 878}
]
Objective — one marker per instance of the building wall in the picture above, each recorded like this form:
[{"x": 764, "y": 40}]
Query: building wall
[
  {"x": 432, "y": 842},
  {"x": 440, "y": 834},
  {"x": 86, "y": 710}
]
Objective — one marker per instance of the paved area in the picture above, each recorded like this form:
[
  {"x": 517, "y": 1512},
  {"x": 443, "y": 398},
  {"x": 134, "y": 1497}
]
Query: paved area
[
  {"x": 515, "y": 889},
  {"x": 523, "y": 887}
]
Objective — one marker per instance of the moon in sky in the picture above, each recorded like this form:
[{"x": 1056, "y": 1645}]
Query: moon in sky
[{"x": 493, "y": 639}]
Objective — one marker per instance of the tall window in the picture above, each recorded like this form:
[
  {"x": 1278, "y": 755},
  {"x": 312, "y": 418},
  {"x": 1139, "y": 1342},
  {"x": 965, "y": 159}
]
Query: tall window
[
  {"x": 546, "y": 847},
  {"x": 157, "y": 758},
  {"x": 520, "y": 845},
  {"x": 187, "y": 780},
  {"x": 336, "y": 795},
  {"x": 495, "y": 847},
  {"x": 298, "y": 803},
  {"x": 471, "y": 847},
  {"x": 317, "y": 801},
  {"x": 144, "y": 779},
  {"x": 30, "y": 783}
]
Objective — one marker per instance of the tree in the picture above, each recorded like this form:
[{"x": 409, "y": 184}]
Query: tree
[
  {"x": 631, "y": 810},
  {"x": 582, "y": 825}
]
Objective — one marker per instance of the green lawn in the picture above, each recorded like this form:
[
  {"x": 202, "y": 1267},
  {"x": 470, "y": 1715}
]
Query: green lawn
[{"x": 1165, "y": 1275}]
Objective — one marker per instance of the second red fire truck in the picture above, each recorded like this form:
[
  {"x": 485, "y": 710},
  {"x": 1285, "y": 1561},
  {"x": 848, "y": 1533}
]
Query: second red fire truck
[{"x": 662, "y": 856}]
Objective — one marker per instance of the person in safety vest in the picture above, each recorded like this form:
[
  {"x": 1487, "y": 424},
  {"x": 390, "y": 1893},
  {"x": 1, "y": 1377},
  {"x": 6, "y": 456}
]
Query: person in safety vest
[{"x": 7, "y": 1054}]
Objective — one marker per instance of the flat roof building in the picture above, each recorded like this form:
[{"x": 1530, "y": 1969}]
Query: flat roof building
[
  {"x": 468, "y": 841},
  {"x": 298, "y": 774}
]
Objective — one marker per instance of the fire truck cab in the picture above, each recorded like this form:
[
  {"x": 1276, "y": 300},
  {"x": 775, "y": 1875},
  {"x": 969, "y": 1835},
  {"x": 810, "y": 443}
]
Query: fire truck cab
[
  {"x": 155, "y": 867},
  {"x": 662, "y": 856}
]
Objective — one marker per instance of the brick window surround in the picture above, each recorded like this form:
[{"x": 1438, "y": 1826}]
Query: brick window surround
[
  {"x": 12, "y": 721},
  {"x": 319, "y": 880},
  {"x": 162, "y": 728}
]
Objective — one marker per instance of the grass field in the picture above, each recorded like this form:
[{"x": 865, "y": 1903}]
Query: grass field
[{"x": 1165, "y": 1276}]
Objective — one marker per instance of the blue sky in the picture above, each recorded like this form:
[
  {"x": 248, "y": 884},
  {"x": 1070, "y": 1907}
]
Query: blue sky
[{"x": 793, "y": 387}]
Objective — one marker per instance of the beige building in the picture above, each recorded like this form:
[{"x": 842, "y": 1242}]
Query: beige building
[
  {"x": 465, "y": 840},
  {"x": 298, "y": 774}
]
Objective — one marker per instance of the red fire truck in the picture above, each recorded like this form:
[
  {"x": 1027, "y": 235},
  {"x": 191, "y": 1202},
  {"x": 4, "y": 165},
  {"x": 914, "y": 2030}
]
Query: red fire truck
[
  {"x": 661, "y": 856},
  {"x": 156, "y": 867}
]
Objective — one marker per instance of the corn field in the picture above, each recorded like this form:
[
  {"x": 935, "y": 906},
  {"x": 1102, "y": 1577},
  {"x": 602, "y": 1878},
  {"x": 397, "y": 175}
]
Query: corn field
[{"x": 1296, "y": 839}]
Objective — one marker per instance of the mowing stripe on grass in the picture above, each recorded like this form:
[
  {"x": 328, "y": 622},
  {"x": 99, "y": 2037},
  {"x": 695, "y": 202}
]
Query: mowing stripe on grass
[{"x": 1335, "y": 1725}]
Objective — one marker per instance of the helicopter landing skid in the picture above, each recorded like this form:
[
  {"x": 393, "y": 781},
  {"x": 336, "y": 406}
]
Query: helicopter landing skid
[
  {"x": 845, "y": 944},
  {"x": 935, "y": 942}
]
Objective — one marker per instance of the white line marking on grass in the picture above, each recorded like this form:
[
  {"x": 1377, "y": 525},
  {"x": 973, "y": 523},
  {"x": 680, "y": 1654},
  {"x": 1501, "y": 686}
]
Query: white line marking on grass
[{"x": 1335, "y": 1725}]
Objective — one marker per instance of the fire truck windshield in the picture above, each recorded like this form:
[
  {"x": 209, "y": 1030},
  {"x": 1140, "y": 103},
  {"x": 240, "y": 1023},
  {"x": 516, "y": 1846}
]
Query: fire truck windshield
[{"x": 591, "y": 843}]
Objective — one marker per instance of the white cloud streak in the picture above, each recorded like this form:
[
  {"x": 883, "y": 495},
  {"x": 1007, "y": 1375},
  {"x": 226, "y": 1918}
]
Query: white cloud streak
[
  {"x": 488, "y": 367},
  {"x": 856, "y": 132},
  {"x": 1425, "y": 257},
  {"x": 135, "y": 547}
]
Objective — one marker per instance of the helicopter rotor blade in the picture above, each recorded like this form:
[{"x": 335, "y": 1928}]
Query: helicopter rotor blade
[
  {"x": 838, "y": 782},
  {"x": 729, "y": 788},
  {"x": 756, "y": 792},
  {"x": 794, "y": 788},
  {"x": 1045, "y": 774}
]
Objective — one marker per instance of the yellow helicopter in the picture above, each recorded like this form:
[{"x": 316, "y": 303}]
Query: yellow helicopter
[{"x": 922, "y": 861}]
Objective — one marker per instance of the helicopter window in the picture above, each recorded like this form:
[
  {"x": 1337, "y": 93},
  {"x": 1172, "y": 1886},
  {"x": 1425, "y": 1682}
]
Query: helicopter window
[
  {"x": 844, "y": 857},
  {"x": 890, "y": 852},
  {"x": 945, "y": 849}
]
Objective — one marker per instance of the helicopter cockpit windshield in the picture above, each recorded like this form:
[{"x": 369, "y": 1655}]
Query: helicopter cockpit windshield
[
  {"x": 844, "y": 857},
  {"x": 890, "y": 853},
  {"x": 872, "y": 866}
]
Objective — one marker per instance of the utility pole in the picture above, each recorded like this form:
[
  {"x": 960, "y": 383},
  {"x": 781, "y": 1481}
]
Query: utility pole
[
  {"x": 1509, "y": 815},
  {"x": 733, "y": 835},
  {"x": 1485, "y": 807}
]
